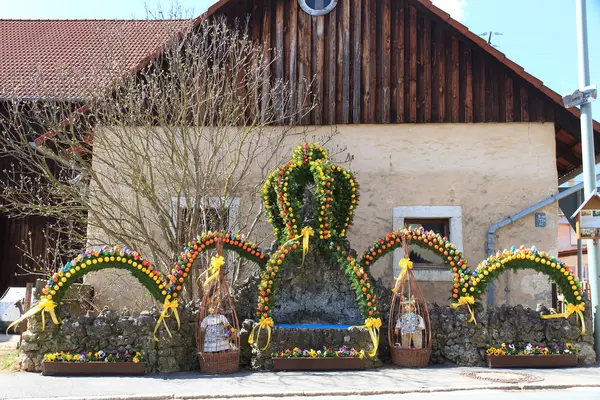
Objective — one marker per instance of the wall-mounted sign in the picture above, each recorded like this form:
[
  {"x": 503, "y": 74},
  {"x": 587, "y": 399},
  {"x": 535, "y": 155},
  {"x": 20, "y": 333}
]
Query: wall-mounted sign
[{"x": 540, "y": 220}]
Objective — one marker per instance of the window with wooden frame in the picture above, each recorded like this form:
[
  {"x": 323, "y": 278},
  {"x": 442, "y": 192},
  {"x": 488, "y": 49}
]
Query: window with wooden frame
[
  {"x": 317, "y": 7},
  {"x": 446, "y": 220},
  {"x": 421, "y": 256}
]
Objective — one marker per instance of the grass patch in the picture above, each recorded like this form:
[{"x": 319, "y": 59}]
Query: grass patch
[{"x": 9, "y": 361}]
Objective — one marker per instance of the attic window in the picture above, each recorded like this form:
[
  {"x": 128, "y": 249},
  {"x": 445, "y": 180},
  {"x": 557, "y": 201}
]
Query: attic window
[{"x": 317, "y": 7}]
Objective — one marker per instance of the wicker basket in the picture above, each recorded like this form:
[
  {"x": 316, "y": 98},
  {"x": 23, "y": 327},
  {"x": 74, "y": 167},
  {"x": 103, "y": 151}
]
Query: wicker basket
[
  {"x": 219, "y": 363},
  {"x": 411, "y": 358},
  {"x": 226, "y": 362}
]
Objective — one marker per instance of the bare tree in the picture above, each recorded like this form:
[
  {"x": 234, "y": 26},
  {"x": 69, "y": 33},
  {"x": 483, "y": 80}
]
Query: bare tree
[{"x": 165, "y": 154}]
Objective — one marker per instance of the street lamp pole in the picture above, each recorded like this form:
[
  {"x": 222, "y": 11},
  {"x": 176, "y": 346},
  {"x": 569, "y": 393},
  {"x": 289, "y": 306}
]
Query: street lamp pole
[{"x": 588, "y": 161}]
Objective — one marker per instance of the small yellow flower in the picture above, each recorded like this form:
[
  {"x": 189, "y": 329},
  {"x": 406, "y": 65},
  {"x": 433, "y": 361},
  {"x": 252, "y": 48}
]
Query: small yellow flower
[
  {"x": 503, "y": 346},
  {"x": 136, "y": 360},
  {"x": 568, "y": 345},
  {"x": 68, "y": 357},
  {"x": 137, "y": 353},
  {"x": 361, "y": 355},
  {"x": 312, "y": 353},
  {"x": 296, "y": 350}
]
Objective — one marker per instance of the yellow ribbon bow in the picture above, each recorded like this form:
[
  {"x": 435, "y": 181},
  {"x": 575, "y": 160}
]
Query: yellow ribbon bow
[
  {"x": 305, "y": 234},
  {"x": 264, "y": 323},
  {"x": 373, "y": 325},
  {"x": 405, "y": 264},
  {"x": 215, "y": 268},
  {"x": 169, "y": 308},
  {"x": 44, "y": 305},
  {"x": 466, "y": 301},
  {"x": 571, "y": 309}
]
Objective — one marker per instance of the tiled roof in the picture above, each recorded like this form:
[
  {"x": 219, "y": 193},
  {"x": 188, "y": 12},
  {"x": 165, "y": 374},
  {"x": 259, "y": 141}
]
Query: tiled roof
[{"x": 70, "y": 59}]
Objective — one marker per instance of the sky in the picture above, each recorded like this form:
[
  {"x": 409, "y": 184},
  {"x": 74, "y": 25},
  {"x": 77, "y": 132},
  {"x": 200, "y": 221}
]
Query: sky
[{"x": 539, "y": 35}]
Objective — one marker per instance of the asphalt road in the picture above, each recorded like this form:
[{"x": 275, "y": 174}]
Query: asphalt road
[{"x": 577, "y": 393}]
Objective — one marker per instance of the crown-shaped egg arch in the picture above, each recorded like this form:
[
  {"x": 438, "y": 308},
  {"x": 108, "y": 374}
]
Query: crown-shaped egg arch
[
  {"x": 336, "y": 194},
  {"x": 336, "y": 198}
]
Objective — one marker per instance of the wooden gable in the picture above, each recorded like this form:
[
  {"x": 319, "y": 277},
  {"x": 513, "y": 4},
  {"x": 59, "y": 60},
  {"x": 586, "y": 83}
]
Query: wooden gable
[{"x": 401, "y": 61}]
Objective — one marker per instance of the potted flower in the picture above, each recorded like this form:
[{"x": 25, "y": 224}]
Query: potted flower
[
  {"x": 531, "y": 356},
  {"x": 94, "y": 363},
  {"x": 325, "y": 359}
]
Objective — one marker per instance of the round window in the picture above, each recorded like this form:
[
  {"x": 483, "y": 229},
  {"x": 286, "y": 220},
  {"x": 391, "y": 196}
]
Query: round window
[{"x": 317, "y": 7}]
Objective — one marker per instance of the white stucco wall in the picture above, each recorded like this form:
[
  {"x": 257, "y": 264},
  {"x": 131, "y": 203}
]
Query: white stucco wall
[{"x": 489, "y": 171}]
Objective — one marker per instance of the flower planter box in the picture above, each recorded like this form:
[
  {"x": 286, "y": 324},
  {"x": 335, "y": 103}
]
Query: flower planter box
[
  {"x": 317, "y": 364},
  {"x": 532, "y": 361},
  {"x": 93, "y": 368}
]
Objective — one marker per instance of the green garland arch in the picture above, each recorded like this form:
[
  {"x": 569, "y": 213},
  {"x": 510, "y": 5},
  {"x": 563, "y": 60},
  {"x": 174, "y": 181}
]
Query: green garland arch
[
  {"x": 102, "y": 258},
  {"x": 526, "y": 258},
  {"x": 94, "y": 260},
  {"x": 205, "y": 241},
  {"x": 452, "y": 257}
]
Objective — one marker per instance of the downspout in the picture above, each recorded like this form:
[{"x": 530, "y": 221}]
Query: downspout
[{"x": 519, "y": 215}]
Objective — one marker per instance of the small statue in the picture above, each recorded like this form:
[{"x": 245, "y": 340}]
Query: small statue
[
  {"x": 410, "y": 325},
  {"x": 215, "y": 329},
  {"x": 308, "y": 205}
]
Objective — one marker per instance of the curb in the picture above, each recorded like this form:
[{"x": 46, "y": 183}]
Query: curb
[{"x": 505, "y": 387}]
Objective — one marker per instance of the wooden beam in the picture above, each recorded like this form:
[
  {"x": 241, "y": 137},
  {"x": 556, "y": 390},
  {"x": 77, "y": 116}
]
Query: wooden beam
[
  {"x": 524, "y": 95},
  {"x": 266, "y": 41},
  {"x": 293, "y": 58},
  {"x": 304, "y": 65},
  {"x": 427, "y": 68},
  {"x": 568, "y": 154},
  {"x": 420, "y": 69},
  {"x": 356, "y": 72},
  {"x": 385, "y": 59},
  {"x": 509, "y": 95},
  {"x": 454, "y": 79},
  {"x": 397, "y": 72},
  {"x": 318, "y": 70},
  {"x": 467, "y": 59},
  {"x": 367, "y": 66},
  {"x": 345, "y": 10},
  {"x": 481, "y": 84},
  {"x": 340, "y": 62},
  {"x": 412, "y": 55},
  {"x": 332, "y": 65},
  {"x": 280, "y": 54},
  {"x": 500, "y": 78}
]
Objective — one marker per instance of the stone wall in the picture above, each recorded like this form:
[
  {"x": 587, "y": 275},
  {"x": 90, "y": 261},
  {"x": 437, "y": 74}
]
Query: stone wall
[
  {"x": 455, "y": 341},
  {"x": 316, "y": 292},
  {"x": 112, "y": 331}
]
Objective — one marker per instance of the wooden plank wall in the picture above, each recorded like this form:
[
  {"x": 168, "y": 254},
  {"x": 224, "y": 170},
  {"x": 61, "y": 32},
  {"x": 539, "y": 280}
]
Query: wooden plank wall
[
  {"x": 387, "y": 61},
  {"x": 12, "y": 233}
]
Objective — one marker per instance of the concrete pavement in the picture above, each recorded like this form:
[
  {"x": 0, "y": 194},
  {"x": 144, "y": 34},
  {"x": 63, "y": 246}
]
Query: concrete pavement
[
  {"x": 579, "y": 393},
  {"x": 382, "y": 382}
]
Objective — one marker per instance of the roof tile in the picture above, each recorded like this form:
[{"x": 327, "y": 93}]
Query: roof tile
[{"x": 74, "y": 58}]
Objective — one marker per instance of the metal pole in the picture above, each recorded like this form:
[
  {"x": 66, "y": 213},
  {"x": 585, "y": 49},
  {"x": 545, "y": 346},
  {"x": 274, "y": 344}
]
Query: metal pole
[
  {"x": 588, "y": 160},
  {"x": 579, "y": 246}
]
